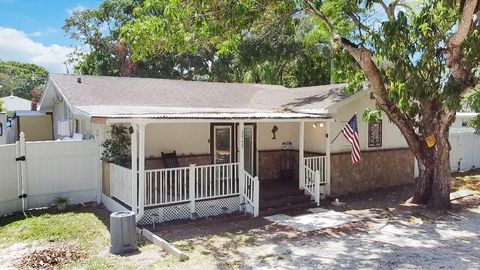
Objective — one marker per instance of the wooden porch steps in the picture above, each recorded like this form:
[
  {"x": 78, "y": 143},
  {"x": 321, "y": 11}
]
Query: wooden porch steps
[{"x": 282, "y": 197}]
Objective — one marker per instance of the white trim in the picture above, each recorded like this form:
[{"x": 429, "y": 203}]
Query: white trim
[
  {"x": 327, "y": 153},
  {"x": 301, "y": 149},
  {"x": 111, "y": 121},
  {"x": 334, "y": 107},
  {"x": 61, "y": 94},
  {"x": 241, "y": 160},
  {"x": 44, "y": 94},
  {"x": 112, "y": 205},
  {"x": 141, "y": 171},
  {"x": 215, "y": 127}
]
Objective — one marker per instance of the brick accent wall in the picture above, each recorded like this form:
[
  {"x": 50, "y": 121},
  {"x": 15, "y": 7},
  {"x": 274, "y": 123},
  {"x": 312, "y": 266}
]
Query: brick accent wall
[
  {"x": 378, "y": 169},
  {"x": 271, "y": 162}
]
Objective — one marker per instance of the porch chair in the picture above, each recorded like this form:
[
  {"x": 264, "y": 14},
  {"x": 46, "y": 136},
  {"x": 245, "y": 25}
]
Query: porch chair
[{"x": 170, "y": 160}]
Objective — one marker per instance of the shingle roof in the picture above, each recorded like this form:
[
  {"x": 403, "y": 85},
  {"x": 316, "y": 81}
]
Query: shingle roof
[
  {"x": 126, "y": 96},
  {"x": 14, "y": 103}
]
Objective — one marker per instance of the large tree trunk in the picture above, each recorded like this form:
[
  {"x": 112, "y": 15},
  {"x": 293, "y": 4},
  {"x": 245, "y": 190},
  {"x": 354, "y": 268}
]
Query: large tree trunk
[
  {"x": 423, "y": 183},
  {"x": 432, "y": 187},
  {"x": 442, "y": 174}
]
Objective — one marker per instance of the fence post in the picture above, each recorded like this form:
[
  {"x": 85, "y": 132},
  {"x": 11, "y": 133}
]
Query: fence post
[
  {"x": 317, "y": 187},
  {"x": 256, "y": 196},
  {"x": 191, "y": 189},
  {"x": 23, "y": 169}
]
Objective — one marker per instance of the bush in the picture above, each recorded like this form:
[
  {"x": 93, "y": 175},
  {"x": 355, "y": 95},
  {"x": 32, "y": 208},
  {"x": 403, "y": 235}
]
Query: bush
[{"x": 117, "y": 148}]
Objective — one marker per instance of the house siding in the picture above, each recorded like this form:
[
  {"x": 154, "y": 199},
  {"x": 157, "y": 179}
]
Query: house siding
[{"x": 377, "y": 169}]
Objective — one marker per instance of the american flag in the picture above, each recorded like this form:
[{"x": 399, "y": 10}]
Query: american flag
[{"x": 350, "y": 131}]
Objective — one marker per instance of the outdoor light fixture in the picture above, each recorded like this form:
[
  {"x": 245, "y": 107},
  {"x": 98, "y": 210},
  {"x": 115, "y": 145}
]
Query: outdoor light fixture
[{"x": 315, "y": 125}]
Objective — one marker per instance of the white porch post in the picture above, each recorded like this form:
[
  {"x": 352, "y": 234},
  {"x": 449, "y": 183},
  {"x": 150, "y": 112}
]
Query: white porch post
[
  {"x": 134, "y": 145},
  {"x": 327, "y": 153},
  {"x": 241, "y": 162},
  {"x": 191, "y": 189},
  {"x": 141, "y": 170},
  {"x": 301, "y": 147}
]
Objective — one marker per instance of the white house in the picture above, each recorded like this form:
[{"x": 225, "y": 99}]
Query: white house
[{"x": 246, "y": 147}]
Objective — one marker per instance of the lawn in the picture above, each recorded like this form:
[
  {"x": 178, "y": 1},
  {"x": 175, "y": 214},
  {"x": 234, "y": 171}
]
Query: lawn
[{"x": 80, "y": 234}]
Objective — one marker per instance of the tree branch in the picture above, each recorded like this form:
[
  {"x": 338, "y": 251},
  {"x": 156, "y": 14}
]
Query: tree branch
[
  {"x": 357, "y": 21},
  {"x": 453, "y": 53},
  {"x": 363, "y": 56}
]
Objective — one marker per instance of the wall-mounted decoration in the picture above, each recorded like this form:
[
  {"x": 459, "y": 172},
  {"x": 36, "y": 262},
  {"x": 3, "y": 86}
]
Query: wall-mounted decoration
[
  {"x": 274, "y": 132},
  {"x": 375, "y": 134}
]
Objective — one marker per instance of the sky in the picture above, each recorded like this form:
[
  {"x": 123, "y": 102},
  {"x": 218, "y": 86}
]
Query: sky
[{"x": 31, "y": 31}]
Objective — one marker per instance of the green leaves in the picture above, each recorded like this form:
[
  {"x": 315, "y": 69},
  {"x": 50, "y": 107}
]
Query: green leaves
[
  {"x": 117, "y": 148},
  {"x": 371, "y": 116},
  {"x": 20, "y": 79}
]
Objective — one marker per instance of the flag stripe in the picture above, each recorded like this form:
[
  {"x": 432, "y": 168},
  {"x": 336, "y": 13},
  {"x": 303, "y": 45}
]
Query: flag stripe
[{"x": 350, "y": 131}]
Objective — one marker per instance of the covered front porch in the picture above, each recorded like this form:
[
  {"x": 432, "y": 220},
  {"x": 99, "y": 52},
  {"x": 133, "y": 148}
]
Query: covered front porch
[{"x": 222, "y": 166}]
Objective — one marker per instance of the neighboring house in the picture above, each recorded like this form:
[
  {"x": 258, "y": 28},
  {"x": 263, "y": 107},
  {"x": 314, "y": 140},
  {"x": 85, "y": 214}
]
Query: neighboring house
[
  {"x": 465, "y": 153},
  {"x": 245, "y": 140},
  {"x": 13, "y": 103},
  {"x": 36, "y": 125}
]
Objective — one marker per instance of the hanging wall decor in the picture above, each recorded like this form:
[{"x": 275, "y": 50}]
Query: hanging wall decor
[
  {"x": 274, "y": 132},
  {"x": 375, "y": 134}
]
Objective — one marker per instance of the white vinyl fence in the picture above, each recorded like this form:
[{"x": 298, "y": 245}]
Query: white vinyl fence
[
  {"x": 465, "y": 153},
  {"x": 50, "y": 169}
]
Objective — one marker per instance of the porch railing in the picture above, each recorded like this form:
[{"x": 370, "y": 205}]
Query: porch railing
[
  {"x": 251, "y": 192},
  {"x": 177, "y": 185},
  {"x": 315, "y": 176},
  {"x": 187, "y": 185},
  {"x": 218, "y": 180},
  {"x": 165, "y": 186},
  {"x": 121, "y": 183}
]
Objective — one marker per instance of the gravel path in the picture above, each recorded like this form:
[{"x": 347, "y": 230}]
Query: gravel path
[{"x": 451, "y": 243}]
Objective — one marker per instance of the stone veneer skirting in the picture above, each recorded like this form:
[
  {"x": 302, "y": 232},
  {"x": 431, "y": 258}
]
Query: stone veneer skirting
[
  {"x": 272, "y": 162},
  {"x": 377, "y": 169}
]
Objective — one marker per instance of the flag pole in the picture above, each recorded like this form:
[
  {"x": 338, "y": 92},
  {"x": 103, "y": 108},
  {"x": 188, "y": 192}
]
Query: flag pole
[
  {"x": 335, "y": 137},
  {"x": 339, "y": 133}
]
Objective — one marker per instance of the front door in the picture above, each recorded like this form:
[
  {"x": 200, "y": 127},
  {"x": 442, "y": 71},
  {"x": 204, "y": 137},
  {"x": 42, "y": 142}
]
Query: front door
[{"x": 222, "y": 144}]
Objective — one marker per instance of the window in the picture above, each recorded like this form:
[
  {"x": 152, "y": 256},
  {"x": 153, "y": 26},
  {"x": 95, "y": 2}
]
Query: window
[
  {"x": 375, "y": 134},
  {"x": 222, "y": 143}
]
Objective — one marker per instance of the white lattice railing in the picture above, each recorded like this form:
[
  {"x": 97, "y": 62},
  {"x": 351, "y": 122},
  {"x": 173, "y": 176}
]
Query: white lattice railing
[
  {"x": 315, "y": 176},
  {"x": 121, "y": 183},
  {"x": 214, "y": 181},
  {"x": 251, "y": 192}
]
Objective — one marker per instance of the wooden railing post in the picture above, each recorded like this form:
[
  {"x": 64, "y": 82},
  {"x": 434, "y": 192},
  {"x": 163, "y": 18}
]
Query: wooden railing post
[
  {"x": 191, "y": 189},
  {"x": 256, "y": 196},
  {"x": 317, "y": 187}
]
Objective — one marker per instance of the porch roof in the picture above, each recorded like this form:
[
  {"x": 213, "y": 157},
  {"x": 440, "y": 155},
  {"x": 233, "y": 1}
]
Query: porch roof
[{"x": 120, "y": 97}]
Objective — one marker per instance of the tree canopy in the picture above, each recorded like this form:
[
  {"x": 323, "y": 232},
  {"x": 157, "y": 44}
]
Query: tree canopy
[
  {"x": 21, "y": 79},
  {"x": 421, "y": 58},
  {"x": 277, "y": 56}
]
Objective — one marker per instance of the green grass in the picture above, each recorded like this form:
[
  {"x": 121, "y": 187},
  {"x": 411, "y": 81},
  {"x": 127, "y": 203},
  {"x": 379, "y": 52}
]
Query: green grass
[{"x": 83, "y": 228}]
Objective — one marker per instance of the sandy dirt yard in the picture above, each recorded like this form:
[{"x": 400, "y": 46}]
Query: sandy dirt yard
[{"x": 391, "y": 235}]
